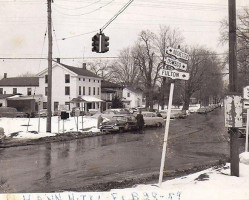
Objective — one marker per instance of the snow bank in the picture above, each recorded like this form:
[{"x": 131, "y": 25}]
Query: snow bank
[
  {"x": 214, "y": 183},
  {"x": 28, "y": 128},
  {"x": 244, "y": 158}
]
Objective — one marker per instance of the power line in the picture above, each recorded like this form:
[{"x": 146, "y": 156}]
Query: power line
[
  {"x": 115, "y": 16},
  {"x": 59, "y": 6},
  {"x": 75, "y": 15}
]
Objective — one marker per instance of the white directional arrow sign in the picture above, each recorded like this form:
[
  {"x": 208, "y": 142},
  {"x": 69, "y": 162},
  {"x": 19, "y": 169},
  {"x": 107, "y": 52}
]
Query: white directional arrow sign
[
  {"x": 174, "y": 74},
  {"x": 176, "y": 64},
  {"x": 177, "y": 53}
]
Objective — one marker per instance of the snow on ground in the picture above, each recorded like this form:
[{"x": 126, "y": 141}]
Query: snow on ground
[
  {"x": 214, "y": 183},
  {"x": 28, "y": 128}
]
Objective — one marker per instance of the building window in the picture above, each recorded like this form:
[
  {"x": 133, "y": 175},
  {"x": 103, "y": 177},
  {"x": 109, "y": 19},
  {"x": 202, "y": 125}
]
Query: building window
[
  {"x": 84, "y": 90},
  {"x": 79, "y": 90},
  {"x": 14, "y": 90},
  {"x": 67, "y": 90},
  {"x": 94, "y": 80},
  {"x": 56, "y": 105},
  {"x": 46, "y": 78},
  {"x": 98, "y": 81},
  {"x": 67, "y": 103},
  {"x": 98, "y": 90},
  {"x": 67, "y": 78},
  {"x": 83, "y": 79},
  {"x": 93, "y": 90},
  {"x": 1, "y": 90},
  {"x": 28, "y": 91},
  {"x": 45, "y": 106},
  {"x": 89, "y": 80},
  {"x": 128, "y": 94},
  {"x": 89, "y": 90},
  {"x": 46, "y": 91},
  {"x": 79, "y": 79}
]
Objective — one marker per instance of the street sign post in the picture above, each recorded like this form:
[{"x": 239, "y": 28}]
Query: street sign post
[
  {"x": 176, "y": 64},
  {"x": 246, "y": 106},
  {"x": 177, "y": 53},
  {"x": 174, "y": 74}
]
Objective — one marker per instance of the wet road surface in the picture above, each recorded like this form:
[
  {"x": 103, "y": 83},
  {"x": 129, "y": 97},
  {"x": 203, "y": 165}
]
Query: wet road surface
[{"x": 75, "y": 164}]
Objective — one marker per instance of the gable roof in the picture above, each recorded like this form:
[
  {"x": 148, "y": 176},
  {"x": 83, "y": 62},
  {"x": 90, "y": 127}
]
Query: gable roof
[
  {"x": 108, "y": 84},
  {"x": 20, "y": 81},
  {"x": 134, "y": 90},
  {"x": 80, "y": 71}
]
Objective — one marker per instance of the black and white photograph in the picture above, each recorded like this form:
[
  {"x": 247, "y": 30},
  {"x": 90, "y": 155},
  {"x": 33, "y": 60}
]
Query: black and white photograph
[{"x": 124, "y": 99}]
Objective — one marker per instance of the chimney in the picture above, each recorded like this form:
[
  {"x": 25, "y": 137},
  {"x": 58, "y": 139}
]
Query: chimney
[
  {"x": 58, "y": 60},
  {"x": 5, "y": 75},
  {"x": 84, "y": 66}
]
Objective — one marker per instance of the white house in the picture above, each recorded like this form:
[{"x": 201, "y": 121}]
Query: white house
[
  {"x": 132, "y": 98},
  {"x": 69, "y": 83}
]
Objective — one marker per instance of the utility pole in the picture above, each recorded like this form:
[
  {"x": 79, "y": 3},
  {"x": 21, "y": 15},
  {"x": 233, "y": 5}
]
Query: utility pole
[
  {"x": 233, "y": 85},
  {"x": 50, "y": 44}
]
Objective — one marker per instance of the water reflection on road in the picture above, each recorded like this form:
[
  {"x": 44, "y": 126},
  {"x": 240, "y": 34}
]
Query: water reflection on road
[{"x": 73, "y": 164}]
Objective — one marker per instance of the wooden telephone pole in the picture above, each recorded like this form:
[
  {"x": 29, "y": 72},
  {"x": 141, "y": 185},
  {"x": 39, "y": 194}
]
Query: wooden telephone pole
[
  {"x": 233, "y": 85},
  {"x": 50, "y": 44}
]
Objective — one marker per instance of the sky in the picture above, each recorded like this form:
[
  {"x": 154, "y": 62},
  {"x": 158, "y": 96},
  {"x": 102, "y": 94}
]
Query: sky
[{"x": 24, "y": 24}]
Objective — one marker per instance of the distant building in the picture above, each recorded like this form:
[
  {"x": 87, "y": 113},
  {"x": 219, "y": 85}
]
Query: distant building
[
  {"x": 108, "y": 91},
  {"x": 132, "y": 98}
]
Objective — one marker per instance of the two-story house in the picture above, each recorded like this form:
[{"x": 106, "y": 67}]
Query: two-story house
[
  {"x": 132, "y": 98},
  {"x": 69, "y": 83}
]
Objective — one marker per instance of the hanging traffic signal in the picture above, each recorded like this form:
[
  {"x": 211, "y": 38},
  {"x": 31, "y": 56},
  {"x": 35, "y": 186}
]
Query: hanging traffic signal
[
  {"x": 104, "y": 43},
  {"x": 96, "y": 43}
]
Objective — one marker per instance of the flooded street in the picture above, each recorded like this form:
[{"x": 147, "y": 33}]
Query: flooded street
[{"x": 76, "y": 164}]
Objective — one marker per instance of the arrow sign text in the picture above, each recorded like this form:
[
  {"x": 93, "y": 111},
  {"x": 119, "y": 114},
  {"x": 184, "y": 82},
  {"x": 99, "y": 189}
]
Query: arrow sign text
[
  {"x": 176, "y": 64},
  {"x": 177, "y": 53},
  {"x": 174, "y": 74}
]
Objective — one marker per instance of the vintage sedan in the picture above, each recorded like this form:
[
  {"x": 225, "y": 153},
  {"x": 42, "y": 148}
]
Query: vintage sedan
[
  {"x": 119, "y": 123},
  {"x": 151, "y": 119},
  {"x": 11, "y": 112}
]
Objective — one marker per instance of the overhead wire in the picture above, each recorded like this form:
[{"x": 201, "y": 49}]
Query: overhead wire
[
  {"x": 56, "y": 39},
  {"x": 75, "y": 15}
]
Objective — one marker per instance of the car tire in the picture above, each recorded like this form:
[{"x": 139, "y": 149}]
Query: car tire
[
  {"x": 121, "y": 130},
  {"x": 159, "y": 125}
]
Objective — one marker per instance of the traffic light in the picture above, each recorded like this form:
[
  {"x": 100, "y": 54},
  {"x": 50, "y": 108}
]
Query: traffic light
[
  {"x": 104, "y": 43},
  {"x": 96, "y": 43}
]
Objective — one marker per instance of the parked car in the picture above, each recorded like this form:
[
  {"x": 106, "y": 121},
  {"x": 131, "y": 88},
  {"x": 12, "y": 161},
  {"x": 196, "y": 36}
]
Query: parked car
[
  {"x": 42, "y": 113},
  {"x": 151, "y": 119},
  {"x": 2, "y": 136},
  {"x": 203, "y": 110},
  {"x": 174, "y": 114},
  {"x": 11, "y": 112},
  {"x": 119, "y": 123}
]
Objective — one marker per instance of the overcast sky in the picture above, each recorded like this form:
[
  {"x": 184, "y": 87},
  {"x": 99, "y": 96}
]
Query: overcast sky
[{"x": 24, "y": 23}]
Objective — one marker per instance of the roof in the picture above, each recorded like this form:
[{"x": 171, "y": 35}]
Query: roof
[
  {"x": 134, "y": 90},
  {"x": 106, "y": 90},
  {"x": 80, "y": 71},
  {"x": 86, "y": 99},
  {"x": 108, "y": 84},
  {"x": 20, "y": 81}
]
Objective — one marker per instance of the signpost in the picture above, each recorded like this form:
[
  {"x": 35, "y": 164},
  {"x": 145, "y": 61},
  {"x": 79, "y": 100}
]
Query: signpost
[
  {"x": 173, "y": 74},
  {"x": 246, "y": 106}
]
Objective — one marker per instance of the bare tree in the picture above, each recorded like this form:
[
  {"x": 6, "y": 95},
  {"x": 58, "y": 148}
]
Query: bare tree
[
  {"x": 102, "y": 68},
  {"x": 205, "y": 74},
  {"x": 124, "y": 70}
]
